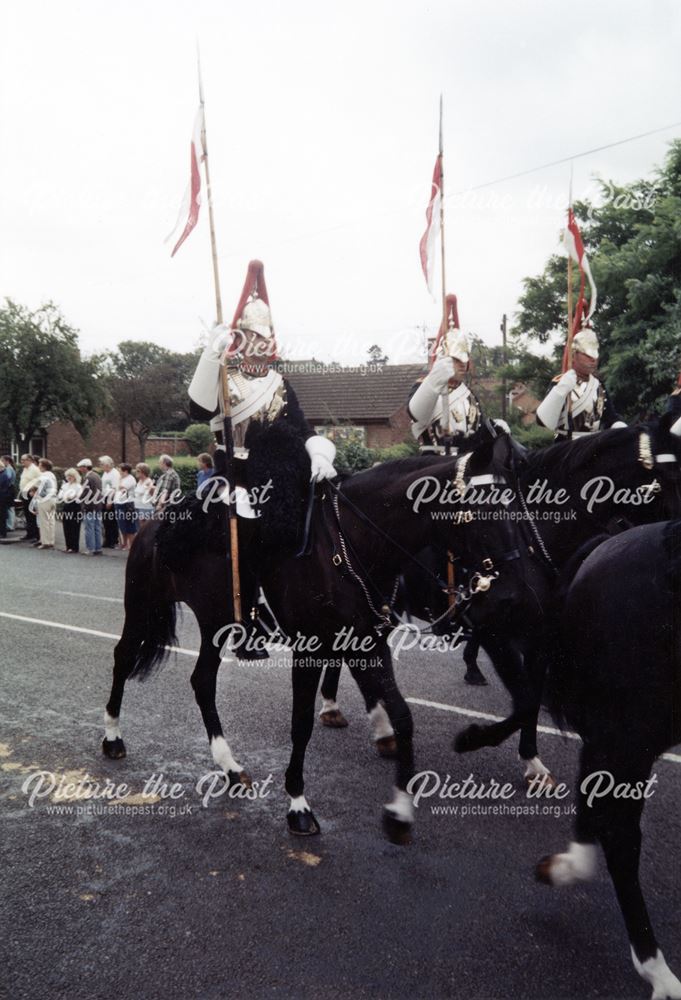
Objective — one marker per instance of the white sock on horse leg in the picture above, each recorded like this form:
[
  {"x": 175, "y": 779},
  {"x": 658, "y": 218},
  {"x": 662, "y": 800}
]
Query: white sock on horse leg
[
  {"x": 222, "y": 755},
  {"x": 111, "y": 728},
  {"x": 380, "y": 722},
  {"x": 534, "y": 767},
  {"x": 578, "y": 864},
  {"x": 402, "y": 806},
  {"x": 299, "y": 804},
  {"x": 656, "y": 972},
  {"x": 328, "y": 705}
]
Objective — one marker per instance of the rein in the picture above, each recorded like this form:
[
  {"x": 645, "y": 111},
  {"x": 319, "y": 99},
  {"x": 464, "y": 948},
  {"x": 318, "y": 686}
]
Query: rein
[{"x": 462, "y": 595}]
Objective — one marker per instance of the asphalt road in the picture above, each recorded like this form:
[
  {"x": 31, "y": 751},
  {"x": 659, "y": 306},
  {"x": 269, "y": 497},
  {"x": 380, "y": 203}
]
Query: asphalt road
[{"x": 163, "y": 898}]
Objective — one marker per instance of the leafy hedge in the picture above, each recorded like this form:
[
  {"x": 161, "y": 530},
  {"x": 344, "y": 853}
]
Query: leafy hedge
[{"x": 184, "y": 465}]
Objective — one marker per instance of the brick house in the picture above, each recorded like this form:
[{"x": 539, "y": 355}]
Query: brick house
[
  {"x": 370, "y": 399},
  {"x": 64, "y": 445}
]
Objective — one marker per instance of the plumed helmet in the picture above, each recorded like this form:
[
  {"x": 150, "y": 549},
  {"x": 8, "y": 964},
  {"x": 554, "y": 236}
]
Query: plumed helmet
[
  {"x": 256, "y": 317},
  {"x": 586, "y": 341}
]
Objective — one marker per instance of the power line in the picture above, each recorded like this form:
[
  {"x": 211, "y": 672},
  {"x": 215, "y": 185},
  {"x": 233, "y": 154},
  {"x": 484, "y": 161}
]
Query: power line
[
  {"x": 476, "y": 187},
  {"x": 565, "y": 159}
]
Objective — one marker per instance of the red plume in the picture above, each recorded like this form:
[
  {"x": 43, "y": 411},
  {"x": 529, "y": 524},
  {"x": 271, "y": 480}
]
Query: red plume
[{"x": 255, "y": 282}]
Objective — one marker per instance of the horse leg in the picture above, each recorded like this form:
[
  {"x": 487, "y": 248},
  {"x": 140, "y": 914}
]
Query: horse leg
[
  {"x": 620, "y": 836},
  {"x": 379, "y": 687},
  {"x": 535, "y": 769},
  {"x": 382, "y": 732},
  {"x": 330, "y": 713},
  {"x": 508, "y": 662},
  {"x": 616, "y": 823},
  {"x": 305, "y": 680},
  {"x": 578, "y": 863},
  {"x": 125, "y": 655},
  {"x": 204, "y": 682},
  {"x": 474, "y": 674}
]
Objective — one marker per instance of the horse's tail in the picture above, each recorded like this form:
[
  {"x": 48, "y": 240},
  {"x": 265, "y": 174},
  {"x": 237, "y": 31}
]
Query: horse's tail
[{"x": 149, "y": 598}]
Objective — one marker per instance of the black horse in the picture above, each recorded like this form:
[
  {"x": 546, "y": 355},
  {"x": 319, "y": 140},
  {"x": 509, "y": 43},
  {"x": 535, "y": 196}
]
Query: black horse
[
  {"x": 362, "y": 536},
  {"x": 568, "y": 493},
  {"x": 616, "y": 679},
  {"x": 611, "y": 481}
]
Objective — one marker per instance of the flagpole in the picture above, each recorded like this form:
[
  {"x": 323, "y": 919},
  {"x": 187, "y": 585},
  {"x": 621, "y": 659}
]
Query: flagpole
[
  {"x": 211, "y": 219},
  {"x": 451, "y": 578},
  {"x": 442, "y": 222},
  {"x": 445, "y": 394},
  {"x": 224, "y": 377},
  {"x": 569, "y": 286}
]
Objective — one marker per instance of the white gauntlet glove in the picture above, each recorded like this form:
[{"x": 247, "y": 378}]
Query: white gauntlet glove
[
  {"x": 204, "y": 386},
  {"x": 550, "y": 409},
  {"x": 422, "y": 404},
  {"x": 322, "y": 452}
]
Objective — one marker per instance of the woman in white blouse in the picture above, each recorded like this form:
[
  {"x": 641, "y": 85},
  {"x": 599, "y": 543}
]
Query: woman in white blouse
[
  {"x": 144, "y": 492},
  {"x": 72, "y": 513},
  {"x": 124, "y": 505},
  {"x": 44, "y": 501}
]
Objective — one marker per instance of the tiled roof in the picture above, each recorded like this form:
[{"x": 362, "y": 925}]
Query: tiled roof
[{"x": 361, "y": 394}]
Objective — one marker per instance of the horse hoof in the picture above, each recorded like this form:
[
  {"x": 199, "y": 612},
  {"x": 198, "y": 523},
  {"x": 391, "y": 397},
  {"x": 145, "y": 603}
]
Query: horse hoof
[
  {"x": 539, "y": 783},
  {"x": 469, "y": 739},
  {"x": 334, "y": 719},
  {"x": 302, "y": 823},
  {"x": 241, "y": 778},
  {"x": 387, "y": 747},
  {"x": 398, "y": 831},
  {"x": 542, "y": 872},
  {"x": 475, "y": 677},
  {"x": 114, "y": 749}
]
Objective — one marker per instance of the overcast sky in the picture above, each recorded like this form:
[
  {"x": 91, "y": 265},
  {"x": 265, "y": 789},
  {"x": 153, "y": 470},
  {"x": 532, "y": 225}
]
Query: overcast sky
[{"x": 322, "y": 132}]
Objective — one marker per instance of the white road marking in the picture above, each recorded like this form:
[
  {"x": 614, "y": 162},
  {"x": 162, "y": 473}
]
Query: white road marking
[
  {"x": 87, "y": 631},
  {"x": 675, "y": 758},
  {"x": 91, "y": 597},
  {"x": 441, "y": 706}
]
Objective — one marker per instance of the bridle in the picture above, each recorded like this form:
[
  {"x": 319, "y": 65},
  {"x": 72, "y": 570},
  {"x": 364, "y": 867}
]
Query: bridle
[{"x": 480, "y": 580}]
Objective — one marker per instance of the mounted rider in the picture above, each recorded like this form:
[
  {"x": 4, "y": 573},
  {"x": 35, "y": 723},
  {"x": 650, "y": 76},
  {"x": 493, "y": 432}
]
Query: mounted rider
[
  {"x": 445, "y": 415},
  {"x": 578, "y": 404},
  {"x": 276, "y": 452},
  {"x": 443, "y": 410},
  {"x": 259, "y": 395}
]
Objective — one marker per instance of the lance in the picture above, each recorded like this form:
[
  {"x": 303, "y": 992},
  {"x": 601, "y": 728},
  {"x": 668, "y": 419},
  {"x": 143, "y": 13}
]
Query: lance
[
  {"x": 445, "y": 392},
  {"x": 569, "y": 286},
  {"x": 451, "y": 593},
  {"x": 228, "y": 439},
  {"x": 569, "y": 312}
]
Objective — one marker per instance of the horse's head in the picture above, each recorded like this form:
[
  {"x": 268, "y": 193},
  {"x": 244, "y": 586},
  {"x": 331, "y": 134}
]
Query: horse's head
[
  {"x": 611, "y": 480},
  {"x": 477, "y": 517},
  {"x": 665, "y": 448}
]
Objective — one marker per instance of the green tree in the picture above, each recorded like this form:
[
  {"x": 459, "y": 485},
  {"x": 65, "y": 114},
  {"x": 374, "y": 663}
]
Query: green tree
[
  {"x": 44, "y": 377},
  {"x": 633, "y": 240},
  {"x": 147, "y": 386},
  {"x": 199, "y": 437}
]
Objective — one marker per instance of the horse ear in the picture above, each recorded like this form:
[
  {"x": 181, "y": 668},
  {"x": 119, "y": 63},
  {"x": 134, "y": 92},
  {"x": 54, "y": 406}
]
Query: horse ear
[
  {"x": 482, "y": 457},
  {"x": 504, "y": 452},
  {"x": 669, "y": 423}
]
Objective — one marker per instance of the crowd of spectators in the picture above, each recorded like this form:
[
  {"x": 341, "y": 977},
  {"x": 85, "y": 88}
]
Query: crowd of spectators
[{"x": 96, "y": 511}]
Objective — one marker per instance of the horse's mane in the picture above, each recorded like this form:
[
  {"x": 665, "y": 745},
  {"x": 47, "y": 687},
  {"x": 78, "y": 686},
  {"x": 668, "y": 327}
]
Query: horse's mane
[
  {"x": 397, "y": 467},
  {"x": 568, "y": 458}
]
